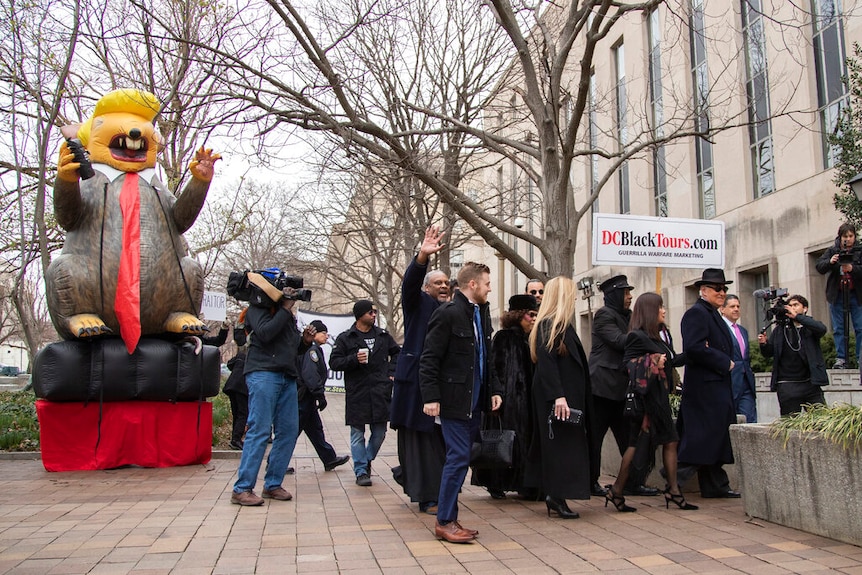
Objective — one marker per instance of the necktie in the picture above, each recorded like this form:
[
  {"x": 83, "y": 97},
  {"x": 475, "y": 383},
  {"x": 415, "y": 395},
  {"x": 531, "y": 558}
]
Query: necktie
[
  {"x": 739, "y": 339},
  {"x": 480, "y": 341},
  {"x": 127, "y": 302}
]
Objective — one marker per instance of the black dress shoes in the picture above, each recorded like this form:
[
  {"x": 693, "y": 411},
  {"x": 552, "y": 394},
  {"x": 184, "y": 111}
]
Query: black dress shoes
[
  {"x": 729, "y": 494},
  {"x": 338, "y": 461},
  {"x": 597, "y": 490},
  {"x": 641, "y": 491}
]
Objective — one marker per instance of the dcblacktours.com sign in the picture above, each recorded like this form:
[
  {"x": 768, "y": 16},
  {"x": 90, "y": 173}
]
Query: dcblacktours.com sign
[{"x": 645, "y": 241}]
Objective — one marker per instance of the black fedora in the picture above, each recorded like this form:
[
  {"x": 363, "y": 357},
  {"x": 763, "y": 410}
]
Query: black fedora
[
  {"x": 712, "y": 276},
  {"x": 616, "y": 282}
]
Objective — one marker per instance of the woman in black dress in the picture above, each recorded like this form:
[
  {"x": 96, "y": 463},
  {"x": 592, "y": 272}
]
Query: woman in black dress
[
  {"x": 650, "y": 360},
  {"x": 510, "y": 356},
  {"x": 560, "y": 453}
]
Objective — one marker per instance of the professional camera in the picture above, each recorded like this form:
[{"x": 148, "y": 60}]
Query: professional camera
[
  {"x": 282, "y": 280},
  {"x": 773, "y": 298},
  {"x": 848, "y": 256},
  {"x": 239, "y": 287}
]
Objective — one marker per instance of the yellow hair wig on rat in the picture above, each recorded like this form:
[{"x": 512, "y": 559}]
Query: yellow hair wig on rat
[{"x": 137, "y": 102}]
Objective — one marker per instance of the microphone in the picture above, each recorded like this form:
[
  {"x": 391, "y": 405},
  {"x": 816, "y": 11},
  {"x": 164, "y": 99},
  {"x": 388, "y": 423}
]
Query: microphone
[{"x": 763, "y": 293}]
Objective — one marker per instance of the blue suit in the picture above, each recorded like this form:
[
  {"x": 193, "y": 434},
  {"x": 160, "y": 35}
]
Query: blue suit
[{"x": 742, "y": 377}]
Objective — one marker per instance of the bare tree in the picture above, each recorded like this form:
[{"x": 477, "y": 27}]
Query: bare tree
[{"x": 423, "y": 85}]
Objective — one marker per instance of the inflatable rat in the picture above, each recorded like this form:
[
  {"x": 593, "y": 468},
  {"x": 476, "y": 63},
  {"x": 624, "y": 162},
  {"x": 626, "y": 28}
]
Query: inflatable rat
[{"x": 124, "y": 266}]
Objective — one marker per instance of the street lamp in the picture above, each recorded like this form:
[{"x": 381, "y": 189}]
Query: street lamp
[{"x": 855, "y": 184}]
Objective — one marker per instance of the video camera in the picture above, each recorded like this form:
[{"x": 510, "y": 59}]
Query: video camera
[
  {"x": 774, "y": 298},
  {"x": 240, "y": 288},
  {"x": 848, "y": 255}
]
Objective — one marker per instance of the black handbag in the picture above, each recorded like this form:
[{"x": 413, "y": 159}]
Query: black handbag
[
  {"x": 634, "y": 404},
  {"x": 576, "y": 417},
  {"x": 494, "y": 450}
]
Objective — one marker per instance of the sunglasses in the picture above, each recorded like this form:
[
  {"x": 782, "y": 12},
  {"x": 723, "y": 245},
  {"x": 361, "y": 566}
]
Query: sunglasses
[
  {"x": 532, "y": 313},
  {"x": 716, "y": 287},
  {"x": 537, "y": 292}
]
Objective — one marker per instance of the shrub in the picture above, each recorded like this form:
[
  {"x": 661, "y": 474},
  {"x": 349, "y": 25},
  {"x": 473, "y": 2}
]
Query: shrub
[
  {"x": 19, "y": 427},
  {"x": 841, "y": 424}
]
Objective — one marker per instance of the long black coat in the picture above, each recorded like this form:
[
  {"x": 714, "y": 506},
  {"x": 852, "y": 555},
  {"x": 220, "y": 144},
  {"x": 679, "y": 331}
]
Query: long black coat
[
  {"x": 607, "y": 372},
  {"x": 706, "y": 411},
  {"x": 367, "y": 386},
  {"x": 560, "y": 466},
  {"x": 510, "y": 355},
  {"x": 417, "y": 307}
]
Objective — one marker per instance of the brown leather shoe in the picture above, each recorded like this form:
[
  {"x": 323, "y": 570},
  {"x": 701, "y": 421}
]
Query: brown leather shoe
[
  {"x": 474, "y": 532},
  {"x": 246, "y": 498},
  {"x": 453, "y": 533},
  {"x": 279, "y": 493}
]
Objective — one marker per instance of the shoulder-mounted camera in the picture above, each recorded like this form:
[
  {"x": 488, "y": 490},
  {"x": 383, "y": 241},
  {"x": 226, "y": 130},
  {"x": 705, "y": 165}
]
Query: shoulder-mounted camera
[{"x": 239, "y": 287}]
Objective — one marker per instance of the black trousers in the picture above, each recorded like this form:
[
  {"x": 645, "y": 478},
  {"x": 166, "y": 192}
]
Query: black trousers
[
  {"x": 608, "y": 414},
  {"x": 712, "y": 479},
  {"x": 239, "y": 413},
  {"x": 792, "y": 395},
  {"x": 312, "y": 426}
]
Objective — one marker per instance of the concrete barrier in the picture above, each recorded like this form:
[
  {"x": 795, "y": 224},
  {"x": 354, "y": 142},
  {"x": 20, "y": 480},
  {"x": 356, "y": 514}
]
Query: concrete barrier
[{"x": 810, "y": 484}]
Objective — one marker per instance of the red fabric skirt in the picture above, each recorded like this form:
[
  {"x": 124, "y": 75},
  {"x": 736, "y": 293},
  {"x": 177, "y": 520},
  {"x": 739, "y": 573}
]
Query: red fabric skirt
[{"x": 77, "y": 436}]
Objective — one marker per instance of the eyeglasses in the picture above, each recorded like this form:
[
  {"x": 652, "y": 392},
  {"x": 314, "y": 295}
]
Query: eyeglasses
[
  {"x": 532, "y": 313},
  {"x": 716, "y": 287},
  {"x": 537, "y": 292}
]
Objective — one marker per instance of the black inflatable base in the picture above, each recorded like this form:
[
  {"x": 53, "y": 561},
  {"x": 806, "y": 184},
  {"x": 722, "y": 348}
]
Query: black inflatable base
[{"x": 102, "y": 370}]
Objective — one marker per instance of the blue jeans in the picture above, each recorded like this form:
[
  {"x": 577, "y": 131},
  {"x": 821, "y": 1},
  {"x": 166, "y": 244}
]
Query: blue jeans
[
  {"x": 837, "y": 310},
  {"x": 458, "y": 435},
  {"x": 364, "y": 453},
  {"x": 272, "y": 408}
]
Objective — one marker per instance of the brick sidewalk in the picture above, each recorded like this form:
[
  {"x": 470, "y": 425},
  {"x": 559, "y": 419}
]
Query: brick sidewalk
[{"x": 180, "y": 520}]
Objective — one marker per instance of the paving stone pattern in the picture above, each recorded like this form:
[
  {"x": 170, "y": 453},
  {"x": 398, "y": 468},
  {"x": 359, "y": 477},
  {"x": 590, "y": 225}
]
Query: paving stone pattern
[{"x": 180, "y": 520}]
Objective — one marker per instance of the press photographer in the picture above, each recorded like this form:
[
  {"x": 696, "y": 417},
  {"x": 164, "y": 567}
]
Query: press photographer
[
  {"x": 798, "y": 369},
  {"x": 843, "y": 266},
  {"x": 271, "y": 370}
]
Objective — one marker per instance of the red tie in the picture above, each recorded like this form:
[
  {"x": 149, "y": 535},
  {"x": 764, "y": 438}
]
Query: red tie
[{"x": 127, "y": 303}]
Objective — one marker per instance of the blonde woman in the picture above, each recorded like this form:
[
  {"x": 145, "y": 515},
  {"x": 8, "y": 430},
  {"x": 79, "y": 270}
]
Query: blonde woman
[{"x": 560, "y": 467}]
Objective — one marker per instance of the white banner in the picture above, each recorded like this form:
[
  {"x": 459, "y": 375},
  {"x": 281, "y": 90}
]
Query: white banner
[
  {"x": 645, "y": 241},
  {"x": 335, "y": 324},
  {"x": 214, "y": 306}
]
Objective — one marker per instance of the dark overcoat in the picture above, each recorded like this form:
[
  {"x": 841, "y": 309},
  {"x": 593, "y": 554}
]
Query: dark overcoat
[
  {"x": 417, "y": 307},
  {"x": 607, "y": 372},
  {"x": 367, "y": 386},
  {"x": 560, "y": 466},
  {"x": 706, "y": 410}
]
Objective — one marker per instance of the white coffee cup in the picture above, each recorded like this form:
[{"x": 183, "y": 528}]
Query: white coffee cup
[{"x": 362, "y": 354}]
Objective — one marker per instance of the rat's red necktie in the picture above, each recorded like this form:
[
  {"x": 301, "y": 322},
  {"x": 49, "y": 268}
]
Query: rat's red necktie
[{"x": 127, "y": 303}]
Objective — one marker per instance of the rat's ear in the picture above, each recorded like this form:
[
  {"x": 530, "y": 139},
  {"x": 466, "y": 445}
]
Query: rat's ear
[{"x": 70, "y": 131}]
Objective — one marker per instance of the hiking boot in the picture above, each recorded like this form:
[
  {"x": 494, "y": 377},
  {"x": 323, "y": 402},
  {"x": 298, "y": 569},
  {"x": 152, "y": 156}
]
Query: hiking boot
[{"x": 246, "y": 498}]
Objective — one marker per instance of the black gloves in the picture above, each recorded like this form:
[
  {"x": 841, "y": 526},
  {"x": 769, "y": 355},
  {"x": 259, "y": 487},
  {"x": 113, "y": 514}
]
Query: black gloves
[{"x": 321, "y": 402}]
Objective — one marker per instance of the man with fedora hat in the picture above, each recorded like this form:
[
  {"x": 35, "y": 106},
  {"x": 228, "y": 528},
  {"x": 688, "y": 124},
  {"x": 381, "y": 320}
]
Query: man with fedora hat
[
  {"x": 706, "y": 411},
  {"x": 609, "y": 379}
]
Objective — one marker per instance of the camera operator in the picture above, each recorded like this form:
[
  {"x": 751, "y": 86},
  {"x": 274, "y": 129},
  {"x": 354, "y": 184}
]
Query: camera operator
[
  {"x": 271, "y": 370},
  {"x": 843, "y": 290},
  {"x": 798, "y": 369}
]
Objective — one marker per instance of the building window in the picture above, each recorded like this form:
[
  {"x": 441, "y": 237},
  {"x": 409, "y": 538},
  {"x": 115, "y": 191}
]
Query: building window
[
  {"x": 700, "y": 82},
  {"x": 594, "y": 140},
  {"x": 658, "y": 155},
  {"x": 622, "y": 128},
  {"x": 456, "y": 260},
  {"x": 757, "y": 87},
  {"x": 829, "y": 58}
]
